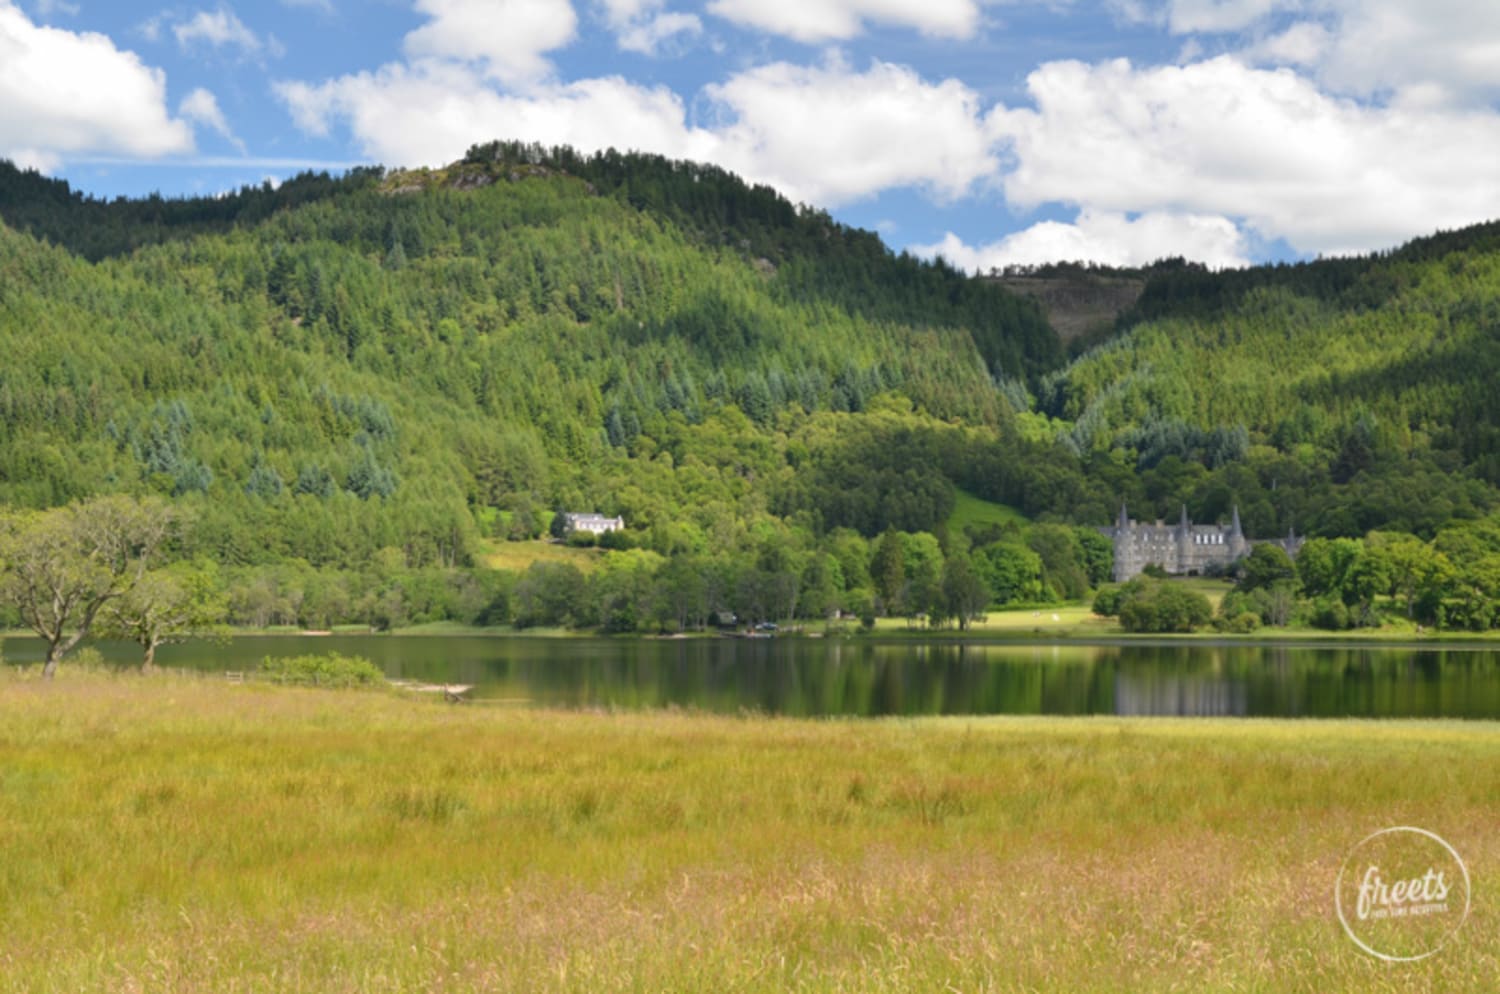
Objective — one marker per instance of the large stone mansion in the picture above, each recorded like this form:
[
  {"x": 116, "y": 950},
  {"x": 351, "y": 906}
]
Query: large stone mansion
[{"x": 1183, "y": 549}]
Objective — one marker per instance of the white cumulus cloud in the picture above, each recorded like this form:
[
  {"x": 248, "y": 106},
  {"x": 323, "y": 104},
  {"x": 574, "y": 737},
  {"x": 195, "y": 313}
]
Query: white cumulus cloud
[
  {"x": 508, "y": 38},
  {"x": 1380, "y": 45},
  {"x": 64, "y": 92},
  {"x": 1443, "y": 50},
  {"x": 430, "y": 113},
  {"x": 831, "y": 135},
  {"x": 820, "y": 134},
  {"x": 1106, "y": 237},
  {"x": 830, "y": 20},
  {"x": 1220, "y": 138}
]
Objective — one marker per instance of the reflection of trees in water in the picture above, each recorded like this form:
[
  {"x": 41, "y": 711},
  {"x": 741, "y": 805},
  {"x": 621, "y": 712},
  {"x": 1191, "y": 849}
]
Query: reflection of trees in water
[{"x": 858, "y": 677}]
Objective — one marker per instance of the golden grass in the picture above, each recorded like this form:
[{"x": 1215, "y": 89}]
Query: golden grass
[
  {"x": 517, "y": 556},
  {"x": 178, "y": 834}
]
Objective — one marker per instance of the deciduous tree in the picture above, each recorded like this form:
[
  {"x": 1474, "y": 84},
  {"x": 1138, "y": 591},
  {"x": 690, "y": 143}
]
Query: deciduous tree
[{"x": 59, "y": 568}]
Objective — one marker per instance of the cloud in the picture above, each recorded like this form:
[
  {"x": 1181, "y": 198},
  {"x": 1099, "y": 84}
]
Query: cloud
[
  {"x": 46, "y": 8},
  {"x": 1205, "y": 159},
  {"x": 1220, "y": 138},
  {"x": 821, "y": 134},
  {"x": 201, "y": 106},
  {"x": 64, "y": 93},
  {"x": 831, "y": 135},
  {"x": 1106, "y": 237},
  {"x": 507, "y": 38},
  {"x": 1302, "y": 44},
  {"x": 217, "y": 29},
  {"x": 1218, "y": 16},
  {"x": 430, "y": 113},
  {"x": 1398, "y": 45},
  {"x": 642, "y": 25},
  {"x": 830, "y": 20},
  {"x": 1446, "y": 50}
]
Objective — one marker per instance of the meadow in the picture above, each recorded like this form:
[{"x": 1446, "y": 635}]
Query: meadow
[{"x": 177, "y": 833}]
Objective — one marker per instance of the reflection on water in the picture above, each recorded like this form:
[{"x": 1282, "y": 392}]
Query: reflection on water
[{"x": 838, "y": 677}]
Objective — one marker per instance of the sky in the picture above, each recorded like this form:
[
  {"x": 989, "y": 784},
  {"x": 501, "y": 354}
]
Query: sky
[{"x": 993, "y": 132}]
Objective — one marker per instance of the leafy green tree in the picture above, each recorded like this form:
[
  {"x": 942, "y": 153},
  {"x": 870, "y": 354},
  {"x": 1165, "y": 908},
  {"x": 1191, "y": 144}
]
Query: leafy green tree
[
  {"x": 1096, "y": 555},
  {"x": 888, "y": 572},
  {"x": 165, "y": 605},
  {"x": 922, "y": 563},
  {"x": 1323, "y": 565},
  {"x": 965, "y": 595},
  {"x": 552, "y": 594},
  {"x": 1369, "y": 576},
  {"x": 60, "y": 568},
  {"x": 1062, "y": 573},
  {"x": 1416, "y": 568},
  {"x": 1012, "y": 572},
  {"x": 1266, "y": 566}
]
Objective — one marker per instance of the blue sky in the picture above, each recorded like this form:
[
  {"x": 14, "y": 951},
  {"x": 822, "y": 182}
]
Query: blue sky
[{"x": 992, "y": 131}]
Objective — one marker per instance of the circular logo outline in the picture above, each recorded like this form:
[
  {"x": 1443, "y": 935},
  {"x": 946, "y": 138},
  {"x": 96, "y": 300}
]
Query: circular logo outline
[{"x": 1338, "y": 894}]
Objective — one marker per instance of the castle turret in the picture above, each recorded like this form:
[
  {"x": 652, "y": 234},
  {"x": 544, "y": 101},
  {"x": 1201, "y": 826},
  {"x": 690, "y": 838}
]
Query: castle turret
[
  {"x": 1125, "y": 565},
  {"x": 1237, "y": 544},
  {"x": 1184, "y": 542}
]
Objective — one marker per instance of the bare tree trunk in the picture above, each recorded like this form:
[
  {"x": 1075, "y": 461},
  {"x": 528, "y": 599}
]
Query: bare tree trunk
[
  {"x": 148, "y": 664},
  {"x": 53, "y": 657},
  {"x": 58, "y": 649}
]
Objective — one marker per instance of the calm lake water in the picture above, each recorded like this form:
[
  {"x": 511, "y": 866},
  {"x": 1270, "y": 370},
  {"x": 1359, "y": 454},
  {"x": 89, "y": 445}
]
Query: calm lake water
[{"x": 837, "y": 677}]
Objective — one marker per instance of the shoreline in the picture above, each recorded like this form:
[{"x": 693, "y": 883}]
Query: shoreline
[{"x": 1290, "y": 638}]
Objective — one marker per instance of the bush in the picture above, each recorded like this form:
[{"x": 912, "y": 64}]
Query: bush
[
  {"x": 1107, "y": 602},
  {"x": 617, "y": 540},
  {"x": 1241, "y": 624},
  {"x": 328, "y": 670},
  {"x": 1161, "y": 606},
  {"x": 1331, "y": 614}
]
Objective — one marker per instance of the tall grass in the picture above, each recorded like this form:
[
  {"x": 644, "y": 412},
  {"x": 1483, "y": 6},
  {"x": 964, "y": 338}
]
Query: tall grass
[{"x": 176, "y": 834}]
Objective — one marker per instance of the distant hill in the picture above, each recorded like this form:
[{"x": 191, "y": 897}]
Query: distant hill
[
  {"x": 407, "y": 365},
  {"x": 381, "y": 361}
]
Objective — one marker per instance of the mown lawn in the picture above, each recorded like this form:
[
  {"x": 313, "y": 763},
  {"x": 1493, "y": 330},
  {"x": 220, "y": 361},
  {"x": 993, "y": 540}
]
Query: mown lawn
[{"x": 180, "y": 834}]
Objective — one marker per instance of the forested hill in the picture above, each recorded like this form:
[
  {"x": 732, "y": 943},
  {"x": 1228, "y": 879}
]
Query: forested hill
[
  {"x": 406, "y": 361},
  {"x": 364, "y": 388},
  {"x": 1361, "y": 388}
]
